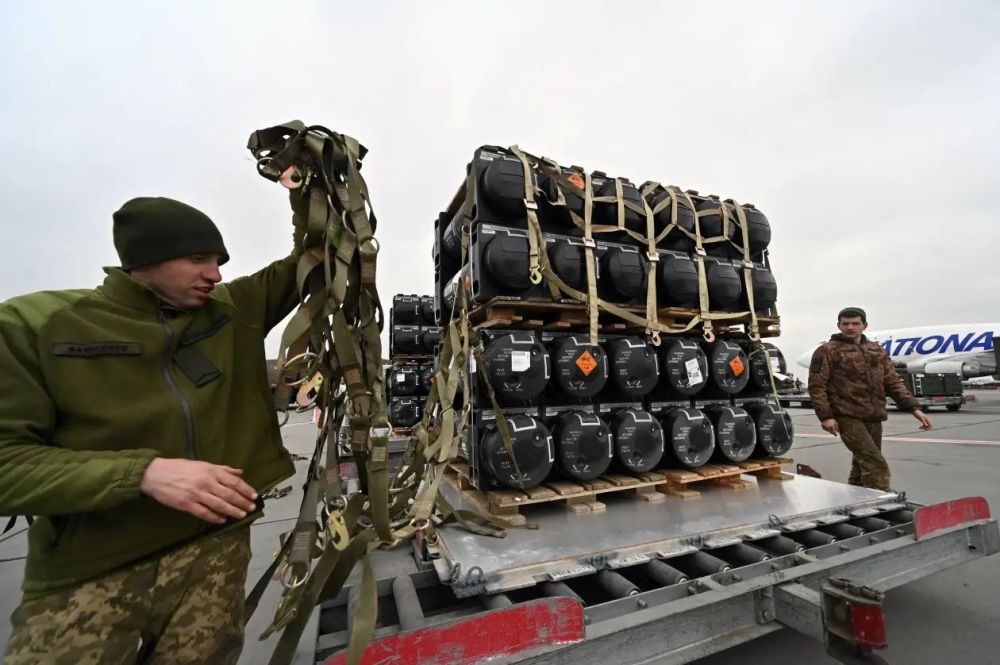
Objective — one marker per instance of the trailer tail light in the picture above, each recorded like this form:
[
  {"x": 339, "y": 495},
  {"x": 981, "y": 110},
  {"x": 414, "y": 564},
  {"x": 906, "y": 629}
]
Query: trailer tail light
[
  {"x": 868, "y": 624},
  {"x": 482, "y": 637},
  {"x": 940, "y": 516}
]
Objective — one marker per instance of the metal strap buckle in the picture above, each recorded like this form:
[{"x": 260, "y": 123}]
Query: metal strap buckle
[
  {"x": 590, "y": 242},
  {"x": 336, "y": 529},
  {"x": 530, "y": 205},
  {"x": 288, "y": 578},
  {"x": 653, "y": 257},
  {"x": 700, "y": 251}
]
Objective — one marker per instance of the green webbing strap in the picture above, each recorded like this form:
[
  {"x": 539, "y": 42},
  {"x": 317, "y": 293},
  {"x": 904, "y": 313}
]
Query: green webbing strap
[
  {"x": 296, "y": 611},
  {"x": 502, "y": 426},
  {"x": 652, "y": 275},
  {"x": 253, "y": 598},
  {"x": 537, "y": 252},
  {"x": 753, "y": 329},
  {"x": 478, "y": 523},
  {"x": 540, "y": 261},
  {"x": 672, "y": 200},
  {"x": 723, "y": 213},
  {"x": 699, "y": 256},
  {"x": 593, "y": 315},
  {"x": 334, "y": 334}
]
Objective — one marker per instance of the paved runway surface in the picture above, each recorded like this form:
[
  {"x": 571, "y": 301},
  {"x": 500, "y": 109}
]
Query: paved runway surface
[{"x": 950, "y": 618}]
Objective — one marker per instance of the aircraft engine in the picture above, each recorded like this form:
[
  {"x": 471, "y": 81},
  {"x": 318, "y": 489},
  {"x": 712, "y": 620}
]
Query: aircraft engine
[{"x": 968, "y": 369}]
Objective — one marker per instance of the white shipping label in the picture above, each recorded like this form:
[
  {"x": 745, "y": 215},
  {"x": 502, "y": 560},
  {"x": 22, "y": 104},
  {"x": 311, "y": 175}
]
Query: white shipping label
[
  {"x": 400, "y": 377},
  {"x": 472, "y": 364},
  {"x": 693, "y": 371},
  {"x": 557, "y": 575},
  {"x": 774, "y": 364},
  {"x": 520, "y": 361}
]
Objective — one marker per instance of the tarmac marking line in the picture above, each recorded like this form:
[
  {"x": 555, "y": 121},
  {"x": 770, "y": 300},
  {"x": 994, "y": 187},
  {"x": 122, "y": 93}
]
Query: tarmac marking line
[{"x": 969, "y": 442}]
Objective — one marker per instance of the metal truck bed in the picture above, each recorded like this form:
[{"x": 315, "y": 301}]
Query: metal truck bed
[
  {"x": 569, "y": 545},
  {"x": 666, "y": 582}
]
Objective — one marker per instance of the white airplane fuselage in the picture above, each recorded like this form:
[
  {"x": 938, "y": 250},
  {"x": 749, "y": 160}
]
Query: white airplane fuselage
[{"x": 964, "y": 348}]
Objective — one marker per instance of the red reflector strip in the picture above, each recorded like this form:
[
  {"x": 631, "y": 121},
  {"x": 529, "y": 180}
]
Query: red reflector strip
[
  {"x": 928, "y": 519},
  {"x": 488, "y": 635},
  {"x": 868, "y": 624}
]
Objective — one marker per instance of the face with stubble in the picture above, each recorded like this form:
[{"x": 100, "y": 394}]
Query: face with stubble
[
  {"x": 185, "y": 282},
  {"x": 852, "y": 328}
]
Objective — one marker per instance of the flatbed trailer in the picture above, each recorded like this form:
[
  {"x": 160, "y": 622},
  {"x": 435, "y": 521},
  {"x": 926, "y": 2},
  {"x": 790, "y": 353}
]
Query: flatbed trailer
[
  {"x": 950, "y": 402},
  {"x": 795, "y": 398},
  {"x": 666, "y": 582}
]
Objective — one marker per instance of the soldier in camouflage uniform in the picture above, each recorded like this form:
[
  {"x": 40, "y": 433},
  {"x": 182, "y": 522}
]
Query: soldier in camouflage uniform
[
  {"x": 137, "y": 426},
  {"x": 849, "y": 378}
]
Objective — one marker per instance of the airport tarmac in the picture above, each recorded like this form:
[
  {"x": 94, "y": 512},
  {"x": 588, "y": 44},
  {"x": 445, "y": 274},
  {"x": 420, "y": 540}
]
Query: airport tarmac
[{"x": 951, "y": 617}]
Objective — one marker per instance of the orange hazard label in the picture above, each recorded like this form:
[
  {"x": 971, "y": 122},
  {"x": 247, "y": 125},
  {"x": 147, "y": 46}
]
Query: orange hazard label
[
  {"x": 736, "y": 365},
  {"x": 586, "y": 363},
  {"x": 577, "y": 180}
]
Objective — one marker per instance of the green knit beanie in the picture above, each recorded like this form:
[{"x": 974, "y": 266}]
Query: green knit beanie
[{"x": 153, "y": 229}]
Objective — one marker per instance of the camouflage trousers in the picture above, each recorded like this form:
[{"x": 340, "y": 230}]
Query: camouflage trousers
[
  {"x": 869, "y": 467},
  {"x": 183, "y": 607}
]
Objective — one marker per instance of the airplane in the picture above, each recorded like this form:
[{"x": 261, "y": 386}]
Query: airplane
[{"x": 969, "y": 349}]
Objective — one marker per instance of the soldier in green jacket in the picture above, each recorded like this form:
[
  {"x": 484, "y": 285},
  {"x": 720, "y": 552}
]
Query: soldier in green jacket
[
  {"x": 137, "y": 426},
  {"x": 849, "y": 378}
]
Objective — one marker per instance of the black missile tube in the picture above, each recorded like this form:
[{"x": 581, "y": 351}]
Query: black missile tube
[
  {"x": 583, "y": 445},
  {"x": 533, "y": 452},
  {"x": 638, "y": 440}
]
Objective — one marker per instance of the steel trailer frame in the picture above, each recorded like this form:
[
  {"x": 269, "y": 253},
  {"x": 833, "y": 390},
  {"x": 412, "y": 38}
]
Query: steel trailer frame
[{"x": 832, "y": 594}]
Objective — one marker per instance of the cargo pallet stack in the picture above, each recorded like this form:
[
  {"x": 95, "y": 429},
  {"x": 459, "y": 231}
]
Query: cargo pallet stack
[
  {"x": 619, "y": 330},
  {"x": 413, "y": 337}
]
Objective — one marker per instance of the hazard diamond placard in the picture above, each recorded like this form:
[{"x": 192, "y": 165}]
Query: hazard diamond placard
[{"x": 586, "y": 363}]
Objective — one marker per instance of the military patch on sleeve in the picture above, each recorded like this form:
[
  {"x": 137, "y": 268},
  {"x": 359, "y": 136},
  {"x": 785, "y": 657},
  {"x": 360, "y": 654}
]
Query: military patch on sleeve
[{"x": 96, "y": 349}]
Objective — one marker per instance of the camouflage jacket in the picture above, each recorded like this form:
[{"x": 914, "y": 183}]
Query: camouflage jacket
[{"x": 847, "y": 379}]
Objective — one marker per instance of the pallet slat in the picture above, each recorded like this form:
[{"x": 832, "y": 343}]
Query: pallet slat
[
  {"x": 505, "y": 312},
  {"x": 582, "y": 496}
]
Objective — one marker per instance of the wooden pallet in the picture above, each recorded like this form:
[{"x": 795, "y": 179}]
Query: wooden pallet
[
  {"x": 412, "y": 357},
  {"x": 680, "y": 482},
  {"x": 580, "y": 496},
  {"x": 532, "y": 314},
  {"x": 402, "y": 431}
]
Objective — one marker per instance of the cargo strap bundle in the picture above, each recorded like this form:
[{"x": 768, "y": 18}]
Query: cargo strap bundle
[
  {"x": 330, "y": 352},
  {"x": 579, "y": 184}
]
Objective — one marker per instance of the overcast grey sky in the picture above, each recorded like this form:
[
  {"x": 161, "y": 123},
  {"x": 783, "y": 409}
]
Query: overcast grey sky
[{"x": 868, "y": 132}]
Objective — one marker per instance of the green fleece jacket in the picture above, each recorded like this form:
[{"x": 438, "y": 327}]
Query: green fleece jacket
[{"x": 96, "y": 383}]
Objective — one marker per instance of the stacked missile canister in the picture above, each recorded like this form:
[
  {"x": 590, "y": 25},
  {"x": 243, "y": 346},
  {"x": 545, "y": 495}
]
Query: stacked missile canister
[
  {"x": 413, "y": 338},
  {"x": 681, "y": 377}
]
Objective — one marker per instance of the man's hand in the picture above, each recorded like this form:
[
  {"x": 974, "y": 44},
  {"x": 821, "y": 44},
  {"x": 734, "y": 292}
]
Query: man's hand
[
  {"x": 830, "y": 426},
  {"x": 925, "y": 422},
  {"x": 210, "y": 492}
]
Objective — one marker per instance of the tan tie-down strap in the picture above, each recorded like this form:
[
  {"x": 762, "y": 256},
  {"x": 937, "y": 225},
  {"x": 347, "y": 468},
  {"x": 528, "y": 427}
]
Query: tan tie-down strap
[
  {"x": 540, "y": 267},
  {"x": 332, "y": 346}
]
